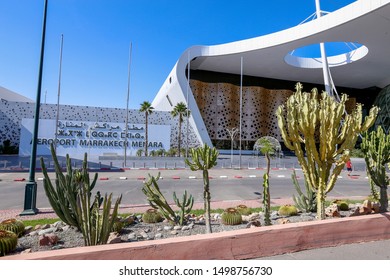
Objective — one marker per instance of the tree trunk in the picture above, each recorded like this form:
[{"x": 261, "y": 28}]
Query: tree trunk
[
  {"x": 146, "y": 134},
  {"x": 179, "y": 138},
  {"x": 384, "y": 201},
  {"x": 207, "y": 197}
]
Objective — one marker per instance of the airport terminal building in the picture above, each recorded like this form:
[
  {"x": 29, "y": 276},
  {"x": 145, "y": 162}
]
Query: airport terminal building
[
  {"x": 238, "y": 84},
  {"x": 243, "y": 82}
]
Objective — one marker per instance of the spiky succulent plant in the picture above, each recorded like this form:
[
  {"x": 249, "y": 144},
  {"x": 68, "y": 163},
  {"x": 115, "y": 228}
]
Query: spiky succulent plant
[
  {"x": 231, "y": 216},
  {"x": 151, "y": 216},
  {"x": 8, "y": 242},
  {"x": 288, "y": 210},
  {"x": 13, "y": 225},
  {"x": 244, "y": 210},
  {"x": 342, "y": 205}
]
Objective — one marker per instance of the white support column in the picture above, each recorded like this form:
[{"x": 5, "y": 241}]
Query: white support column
[{"x": 324, "y": 60}]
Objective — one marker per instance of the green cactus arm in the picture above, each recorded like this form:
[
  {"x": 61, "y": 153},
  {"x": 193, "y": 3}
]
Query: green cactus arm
[
  {"x": 336, "y": 172},
  {"x": 282, "y": 126},
  {"x": 156, "y": 199},
  {"x": 370, "y": 119}
]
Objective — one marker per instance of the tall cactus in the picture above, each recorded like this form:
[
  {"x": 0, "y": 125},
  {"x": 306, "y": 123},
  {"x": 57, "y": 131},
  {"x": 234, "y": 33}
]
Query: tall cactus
[
  {"x": 204, "y": 158},
  {"x": 266, "y": 200},
  {"x": 185, "y": 206},
  {"x": 306, "y": 116},
  {"x": 157, "y": 200},
  {"x": 71, "y": 201},
  {"x": 63, "y": 197},
  {"x": 376, "y": 148}
]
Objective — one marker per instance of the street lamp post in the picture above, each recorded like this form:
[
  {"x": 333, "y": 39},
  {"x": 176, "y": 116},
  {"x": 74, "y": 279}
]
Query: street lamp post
[
  {"x": 232, "y": 133},
  {"x": 30, "y": 196}
]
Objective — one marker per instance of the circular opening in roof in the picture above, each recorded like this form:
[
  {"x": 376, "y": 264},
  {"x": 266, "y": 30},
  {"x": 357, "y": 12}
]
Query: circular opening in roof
[{"x": 338, "y": 54}]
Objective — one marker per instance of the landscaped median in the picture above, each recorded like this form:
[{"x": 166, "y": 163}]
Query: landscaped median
[{"x": 240, "y": 244}]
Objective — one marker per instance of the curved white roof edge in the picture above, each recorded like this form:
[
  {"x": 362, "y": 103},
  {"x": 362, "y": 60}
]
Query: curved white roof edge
[
  {"x": 10, "y": 95},
  {"x": 366, "y": 22}
]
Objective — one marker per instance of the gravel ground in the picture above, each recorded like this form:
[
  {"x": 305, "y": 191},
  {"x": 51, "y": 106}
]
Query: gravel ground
[
  {"x": 138, "y": 231},
  {"x": 69, "y": 237}
]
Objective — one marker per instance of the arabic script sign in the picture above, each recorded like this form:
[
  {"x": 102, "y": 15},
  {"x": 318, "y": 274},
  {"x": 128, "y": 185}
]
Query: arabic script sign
[{"x": 94, "y": 138}]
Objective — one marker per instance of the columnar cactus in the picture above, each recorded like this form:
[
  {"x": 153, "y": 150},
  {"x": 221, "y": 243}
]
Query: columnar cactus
[
  {"x": 185, "y": 206},
  {"x": 266, "y": 200},
  {"x": 204, "y": 158},
  {"x": 376, "y": 149},
  {"x": 306, "y": 116}
]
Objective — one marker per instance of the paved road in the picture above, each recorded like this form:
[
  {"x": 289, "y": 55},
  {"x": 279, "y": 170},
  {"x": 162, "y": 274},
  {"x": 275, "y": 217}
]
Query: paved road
[{"x": 226, "y": 184}]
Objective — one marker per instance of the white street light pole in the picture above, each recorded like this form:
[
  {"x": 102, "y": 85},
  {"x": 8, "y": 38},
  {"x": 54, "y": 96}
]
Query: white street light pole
[
  {"x": 232, "y": 133},
  {"x": 325, "y": 66},
  {"x": 127, "y": 103}
]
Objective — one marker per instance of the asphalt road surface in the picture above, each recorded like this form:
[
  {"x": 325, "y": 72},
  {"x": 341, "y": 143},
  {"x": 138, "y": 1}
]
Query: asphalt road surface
[{"x": 225, "y": 184}]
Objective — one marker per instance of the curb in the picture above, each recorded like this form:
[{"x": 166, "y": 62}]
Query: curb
[{"x": 248, "y": 243}]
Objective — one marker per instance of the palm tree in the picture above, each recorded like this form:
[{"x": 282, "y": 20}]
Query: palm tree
[
  {"x": 146, "y": 108},
  {"x": 180, "y": 110}
]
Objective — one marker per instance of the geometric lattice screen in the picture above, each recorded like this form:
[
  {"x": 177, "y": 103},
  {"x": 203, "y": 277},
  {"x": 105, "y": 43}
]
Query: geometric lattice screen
[
  {"x": 383, "y": 102},
  {"x": 219, "y": 105}
]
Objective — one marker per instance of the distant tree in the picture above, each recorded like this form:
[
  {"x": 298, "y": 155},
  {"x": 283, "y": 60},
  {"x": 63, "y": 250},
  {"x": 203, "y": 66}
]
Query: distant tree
[
  {"x": 181, "y": 111},
  {"x": 146, "y": 108}
]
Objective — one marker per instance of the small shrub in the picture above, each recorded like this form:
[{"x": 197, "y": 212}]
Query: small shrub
[
  {"x": 16, "y": 226},
  {"x": 8, "y": 242},
  {"x": 151, "y": 216},
  {"x": 357, "y": 153},
  {"x": 231, "y": 217},
  {"x": 288, "y": 210}
]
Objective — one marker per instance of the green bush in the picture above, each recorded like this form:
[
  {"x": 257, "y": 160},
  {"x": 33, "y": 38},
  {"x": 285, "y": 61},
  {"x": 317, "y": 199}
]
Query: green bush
[{"x": 357, "y": 153}]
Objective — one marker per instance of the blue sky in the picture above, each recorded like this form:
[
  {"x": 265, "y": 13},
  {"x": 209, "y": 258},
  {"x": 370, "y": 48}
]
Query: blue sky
[{"x": 97, "y": 35}]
